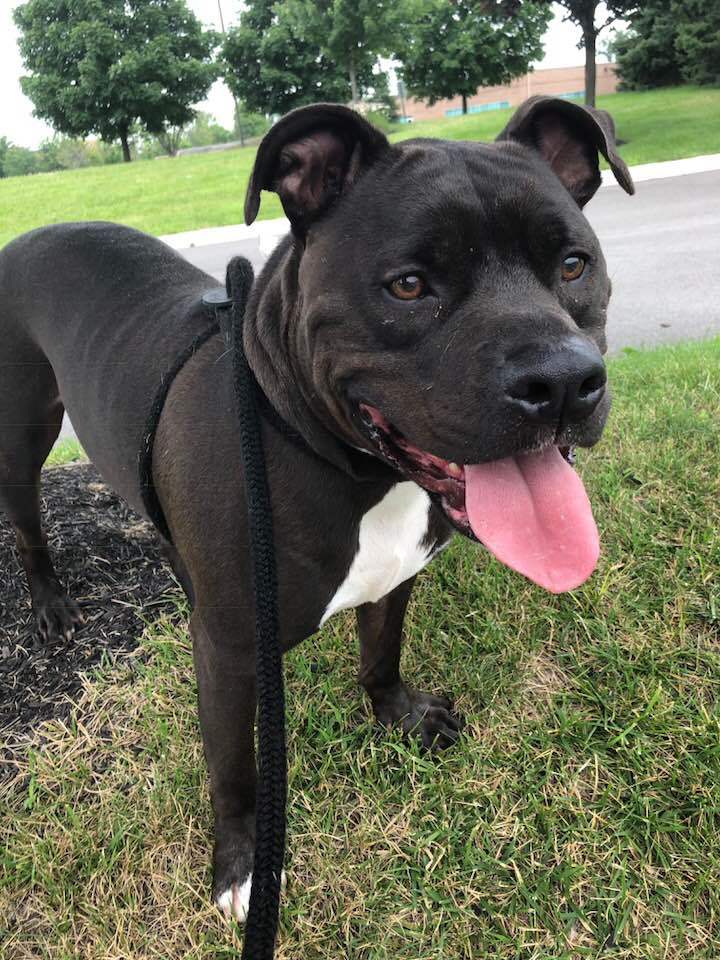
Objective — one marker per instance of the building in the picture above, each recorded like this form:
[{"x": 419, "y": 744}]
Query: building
[{"x": 559, "y": 82}]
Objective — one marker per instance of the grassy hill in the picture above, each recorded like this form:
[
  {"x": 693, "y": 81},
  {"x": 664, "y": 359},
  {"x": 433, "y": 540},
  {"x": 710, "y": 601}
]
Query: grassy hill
[{"x": 185, "y": 193}]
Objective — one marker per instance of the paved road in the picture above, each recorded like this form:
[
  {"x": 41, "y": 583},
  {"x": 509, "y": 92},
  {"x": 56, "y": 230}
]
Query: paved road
[
  {"x": 662, "y": 247},
  {"x": 663, "y": 253}
]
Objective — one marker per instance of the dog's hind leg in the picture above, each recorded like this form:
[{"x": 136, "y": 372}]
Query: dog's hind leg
[
  {"x": 419, "y": 714},
  {"x": 30, "y": 417},
  {"x": 179, "y": 569}
]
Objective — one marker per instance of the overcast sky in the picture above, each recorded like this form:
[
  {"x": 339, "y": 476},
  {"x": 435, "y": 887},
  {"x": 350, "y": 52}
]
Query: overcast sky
[{"x": 18, "y": 124}]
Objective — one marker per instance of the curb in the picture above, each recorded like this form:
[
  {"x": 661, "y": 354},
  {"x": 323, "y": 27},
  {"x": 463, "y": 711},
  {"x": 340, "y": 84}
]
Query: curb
[
  {"x": 268, "y": 232},
  {"x": 667, "y": 168}
]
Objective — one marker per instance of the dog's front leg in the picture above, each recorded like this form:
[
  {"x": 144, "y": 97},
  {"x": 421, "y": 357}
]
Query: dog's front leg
[
  {"x": 227, "y": 699},
  {"x": 380, "y": 626}
]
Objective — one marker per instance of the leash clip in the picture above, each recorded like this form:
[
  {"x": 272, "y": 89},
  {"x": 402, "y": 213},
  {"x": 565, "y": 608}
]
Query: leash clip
[{"x": 218, "y": 306}]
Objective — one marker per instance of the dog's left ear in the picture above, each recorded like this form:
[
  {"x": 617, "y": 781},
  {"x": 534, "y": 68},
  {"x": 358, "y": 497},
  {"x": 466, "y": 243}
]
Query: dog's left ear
[
  {"x": 310, "y": 158},
  {"x": 569, "y": 137}
]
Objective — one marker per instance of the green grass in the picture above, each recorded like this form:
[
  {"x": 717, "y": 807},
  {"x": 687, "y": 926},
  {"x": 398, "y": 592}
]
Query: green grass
[
  {"x": 169, "y": 196},
  {"x": 578, "y": 818},
  {"x": 65, "y": 450},
  {"x": 656, "y": 125}
]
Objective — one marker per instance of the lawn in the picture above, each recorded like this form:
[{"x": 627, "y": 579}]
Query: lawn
[
  {"x": 65, "y": 450},
  {"x": 168, "y": 196},
  {"x": 578, "y": 818}
]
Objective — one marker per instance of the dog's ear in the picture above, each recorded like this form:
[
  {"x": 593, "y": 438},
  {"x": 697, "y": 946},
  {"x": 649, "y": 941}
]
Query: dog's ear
[
  {"x": 309, "y": 158},
  {"x": 569, "y": 137}
]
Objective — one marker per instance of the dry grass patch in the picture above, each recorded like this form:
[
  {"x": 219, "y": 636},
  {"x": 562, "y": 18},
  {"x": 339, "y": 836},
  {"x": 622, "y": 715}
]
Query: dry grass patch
[{"x": 542, "y": 679}]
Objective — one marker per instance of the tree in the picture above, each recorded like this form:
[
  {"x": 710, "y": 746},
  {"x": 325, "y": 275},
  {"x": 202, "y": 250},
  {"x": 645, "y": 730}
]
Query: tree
[
  {"x": 246, "y": 123},
  {"x": 668, "y": 43},
  {"x": 19, "y": 161},
  {"x": 98, "y": 66},
  {"x": 170, "y": 139},
  {"x": 351, "y": 33},
  {"x": 645, "y": 53},
  {"x": 452, "y": 48},
  {"x": 582, "y": 13},
  {"x": 698, "y": 40},
  {"x": 4, "y": 147},
  {"x": 65, "y": 153},
  {"x": 271, "y": 68},
  {"x": 292, "y": 52}
]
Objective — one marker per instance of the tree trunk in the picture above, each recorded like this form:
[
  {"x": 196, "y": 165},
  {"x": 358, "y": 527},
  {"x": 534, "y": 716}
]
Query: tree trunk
[
  {"x": 125, "y": 146},
  {"x": 589, "y": 39},
  {"x": 237, "y": 117},
  {"x": 353, "y": 80},
  {"x": 464, "y": 103}
]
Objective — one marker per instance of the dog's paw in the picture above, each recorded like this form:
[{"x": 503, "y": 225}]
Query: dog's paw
[
  {"x": 57, "y": 616},
  {"x": 232, "y": 866},
  {"x": 235, "y": 901},
  {"x": 430, "y": 719}
]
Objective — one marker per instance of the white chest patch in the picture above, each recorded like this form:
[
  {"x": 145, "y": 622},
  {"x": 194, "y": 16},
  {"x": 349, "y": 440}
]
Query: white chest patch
[{"x": 390, "y": 548}]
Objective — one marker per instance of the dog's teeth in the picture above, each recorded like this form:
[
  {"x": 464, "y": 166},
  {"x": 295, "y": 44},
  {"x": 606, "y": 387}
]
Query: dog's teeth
[{"x": 454, "y": 469}]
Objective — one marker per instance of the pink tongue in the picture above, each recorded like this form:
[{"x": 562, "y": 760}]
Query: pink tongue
[{"x": 531, "y": 511}]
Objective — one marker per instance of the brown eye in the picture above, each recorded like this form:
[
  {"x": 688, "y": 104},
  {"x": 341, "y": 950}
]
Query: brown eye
[
  {"x": 572, "y": 267},
  {"x": 409, "y": 287}
]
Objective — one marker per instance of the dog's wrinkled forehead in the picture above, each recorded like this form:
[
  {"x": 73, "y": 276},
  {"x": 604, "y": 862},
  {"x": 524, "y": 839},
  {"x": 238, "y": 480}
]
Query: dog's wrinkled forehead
[{"x": 438, "y": 196}]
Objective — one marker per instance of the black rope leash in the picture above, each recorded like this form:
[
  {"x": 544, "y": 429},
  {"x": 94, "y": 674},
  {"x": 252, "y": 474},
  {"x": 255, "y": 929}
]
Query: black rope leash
[{"x": 262, "y": 920}]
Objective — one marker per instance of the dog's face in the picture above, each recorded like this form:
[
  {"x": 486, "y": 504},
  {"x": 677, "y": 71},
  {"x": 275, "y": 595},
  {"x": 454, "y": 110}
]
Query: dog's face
[{"x": 452, "y": 296}]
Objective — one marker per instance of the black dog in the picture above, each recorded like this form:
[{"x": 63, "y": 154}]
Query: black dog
[{"x": 432, "y": 329}]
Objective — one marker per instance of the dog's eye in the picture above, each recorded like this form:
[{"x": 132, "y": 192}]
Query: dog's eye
[
  {"x": 572, "y": 267},
  {"x": 408, "y": 287}
]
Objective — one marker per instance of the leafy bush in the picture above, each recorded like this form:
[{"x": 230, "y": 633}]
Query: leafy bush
[{"x": 19, "y": 161}]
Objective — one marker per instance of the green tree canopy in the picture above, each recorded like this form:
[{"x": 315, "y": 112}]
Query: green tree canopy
[
  {"x": 350, "y": 33},
  {"x": 645, "y": 54},
  {"x": 272, "y": 69},
  {"x": 98, "y": 66},
  {"x": 277, "y": 57},
  {"x": 698, "y": 40},
  {"x": 452, "y": 48},
  {"x": 670, "y": 42}
]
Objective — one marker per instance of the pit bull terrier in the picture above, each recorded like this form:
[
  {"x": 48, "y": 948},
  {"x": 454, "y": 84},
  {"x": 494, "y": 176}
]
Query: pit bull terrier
[{"x": 432, "y": 328}]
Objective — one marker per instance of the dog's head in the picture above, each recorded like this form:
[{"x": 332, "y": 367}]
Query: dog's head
[{"x": 450, "y": 308}]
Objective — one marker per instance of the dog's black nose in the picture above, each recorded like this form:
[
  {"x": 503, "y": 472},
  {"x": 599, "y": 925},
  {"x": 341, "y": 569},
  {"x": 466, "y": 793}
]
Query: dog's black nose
[{"x": 565, "y": 383}]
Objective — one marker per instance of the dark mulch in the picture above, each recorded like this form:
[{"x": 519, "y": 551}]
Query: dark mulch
[{"x": 110, "y": 562}]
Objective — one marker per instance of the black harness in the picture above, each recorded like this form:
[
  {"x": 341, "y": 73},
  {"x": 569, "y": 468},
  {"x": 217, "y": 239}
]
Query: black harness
[
  {"x": 218, "y": 305},
  {"x": 226, "y": 309},
  {"x": 147, "y": 488}
]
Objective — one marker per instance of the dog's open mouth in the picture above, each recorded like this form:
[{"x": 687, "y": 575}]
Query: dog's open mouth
[{"x": 530, "y": 510}]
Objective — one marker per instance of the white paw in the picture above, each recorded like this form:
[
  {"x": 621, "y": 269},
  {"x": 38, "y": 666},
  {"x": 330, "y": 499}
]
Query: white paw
[{"x": 235, "y": 902}]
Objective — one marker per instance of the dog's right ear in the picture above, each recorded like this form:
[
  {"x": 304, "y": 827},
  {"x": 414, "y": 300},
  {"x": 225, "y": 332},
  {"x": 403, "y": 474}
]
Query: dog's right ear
[{"x": 310, "y": 158}]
